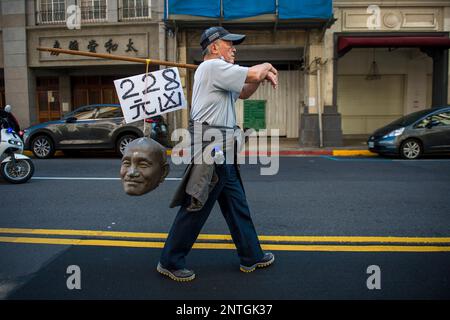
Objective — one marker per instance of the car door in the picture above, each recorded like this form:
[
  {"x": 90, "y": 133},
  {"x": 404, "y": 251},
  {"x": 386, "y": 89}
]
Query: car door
[
  {"x": 435, "y": 132},
  {"x": 106, "y": 120},
  {"x": 443, "y": 128},
  {"x": 76, "y": 130}
]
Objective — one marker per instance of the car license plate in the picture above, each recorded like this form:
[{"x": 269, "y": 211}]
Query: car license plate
[{"x": 371, "y": 144}]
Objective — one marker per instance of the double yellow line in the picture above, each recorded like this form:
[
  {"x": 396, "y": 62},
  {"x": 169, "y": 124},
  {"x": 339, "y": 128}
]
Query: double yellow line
[{"x": 217, "y": 241}]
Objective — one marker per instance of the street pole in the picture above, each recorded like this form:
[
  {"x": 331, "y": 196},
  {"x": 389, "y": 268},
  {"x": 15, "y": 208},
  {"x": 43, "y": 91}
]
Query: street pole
[{"x": 319, "y": 104}]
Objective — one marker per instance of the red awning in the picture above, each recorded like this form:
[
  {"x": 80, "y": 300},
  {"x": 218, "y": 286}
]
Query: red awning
[{"x": 345, "y": 44}]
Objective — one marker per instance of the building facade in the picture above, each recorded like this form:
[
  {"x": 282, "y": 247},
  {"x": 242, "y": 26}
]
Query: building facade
[
  {"x": 346, "y": 69},
  {"x": 274, "y": 34},
  {"x": 399, "y": 66},
  {"x": 42, "y": 86},
  {"x": 331, "y": 86}
]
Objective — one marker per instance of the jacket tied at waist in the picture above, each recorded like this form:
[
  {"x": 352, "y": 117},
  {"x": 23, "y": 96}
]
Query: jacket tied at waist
[{"x": 200, "y": 177}]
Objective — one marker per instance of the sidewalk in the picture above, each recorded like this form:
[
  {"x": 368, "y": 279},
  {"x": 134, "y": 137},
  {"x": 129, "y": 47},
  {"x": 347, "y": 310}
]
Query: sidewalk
[{"x": 290, "y": 146}]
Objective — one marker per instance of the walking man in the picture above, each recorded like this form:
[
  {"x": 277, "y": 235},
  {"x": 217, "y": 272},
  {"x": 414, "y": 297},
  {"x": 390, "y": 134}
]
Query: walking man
[{"x": 218, "y": 83}]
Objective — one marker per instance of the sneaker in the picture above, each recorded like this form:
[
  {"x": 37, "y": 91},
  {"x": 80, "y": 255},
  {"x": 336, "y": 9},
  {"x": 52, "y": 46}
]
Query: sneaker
[
  {"x": 177, "y": 275},
  {"x": 266, "y": 261}
]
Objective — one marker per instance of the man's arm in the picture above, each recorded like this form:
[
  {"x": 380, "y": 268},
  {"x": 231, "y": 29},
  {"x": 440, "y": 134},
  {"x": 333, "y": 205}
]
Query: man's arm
[
  {"x": 260, "y": 72},
  {"x": 248, "y": 90},
  {"x": 255, "y": 76}
]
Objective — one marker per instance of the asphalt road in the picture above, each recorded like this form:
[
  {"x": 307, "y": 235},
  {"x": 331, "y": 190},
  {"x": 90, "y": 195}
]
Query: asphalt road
[{"x": 338, "y": 215}]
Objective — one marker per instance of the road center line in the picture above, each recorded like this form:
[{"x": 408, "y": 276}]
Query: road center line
[
  {"x": 229, "y": 246},
  {"x": 225, "y": 237}
]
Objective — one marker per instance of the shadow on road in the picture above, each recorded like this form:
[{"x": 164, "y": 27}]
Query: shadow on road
[{"x": 129, "y": 273}]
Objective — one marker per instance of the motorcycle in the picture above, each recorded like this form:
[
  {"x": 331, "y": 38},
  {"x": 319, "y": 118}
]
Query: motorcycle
[
  {"x": 159, "y": 130},
  {"x": 14, "y": 166}
]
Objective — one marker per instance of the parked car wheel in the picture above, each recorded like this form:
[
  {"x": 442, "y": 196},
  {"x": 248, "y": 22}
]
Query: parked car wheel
[
  {"x": 43, "y": 147},
  {"x": 411, "y": 149},
  {"x": 123, "y": 142}
]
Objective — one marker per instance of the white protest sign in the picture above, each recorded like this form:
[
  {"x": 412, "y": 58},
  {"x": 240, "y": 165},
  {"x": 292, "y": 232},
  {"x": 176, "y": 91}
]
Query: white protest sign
[{"x": 147, "y": 95}]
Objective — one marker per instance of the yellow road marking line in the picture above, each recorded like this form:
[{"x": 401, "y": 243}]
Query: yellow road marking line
[
  {"x": 83, "y": 242},
  {"x": 274, "y": 247},
  {"x": 94, "y": 233},
  {"x": 145, "y": 235},
  {"x": 356, "y": 239}
]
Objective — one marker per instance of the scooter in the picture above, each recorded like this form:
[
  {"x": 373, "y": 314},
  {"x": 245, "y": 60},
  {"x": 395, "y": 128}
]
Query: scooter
[
  {"x": 15, "y": 167},
  {"x": 159, "y": 130}
]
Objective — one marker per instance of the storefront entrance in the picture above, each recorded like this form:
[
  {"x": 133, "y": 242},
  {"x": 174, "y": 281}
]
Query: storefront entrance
[
  {"x": 47, "y": 98},
  {"x": 384, "y": 76},
  {"x": 93, "y": 90}
]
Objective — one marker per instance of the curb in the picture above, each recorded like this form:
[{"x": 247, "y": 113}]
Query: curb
[
  {"x": 336, "y": 153},
  {"x": 30, "y": 153},
  {"x": 290, "y": 153}
]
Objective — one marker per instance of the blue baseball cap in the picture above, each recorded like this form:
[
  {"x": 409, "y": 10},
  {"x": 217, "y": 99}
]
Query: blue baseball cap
[{"x": 214, "y": 33}]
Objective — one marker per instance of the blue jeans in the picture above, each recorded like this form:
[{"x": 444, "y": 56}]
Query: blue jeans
[{"x": 233, "y": 204}]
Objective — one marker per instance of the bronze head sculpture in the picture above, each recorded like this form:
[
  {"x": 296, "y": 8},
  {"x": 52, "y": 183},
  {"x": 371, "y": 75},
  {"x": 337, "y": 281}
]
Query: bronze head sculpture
[{"x": 144, "y": 166}]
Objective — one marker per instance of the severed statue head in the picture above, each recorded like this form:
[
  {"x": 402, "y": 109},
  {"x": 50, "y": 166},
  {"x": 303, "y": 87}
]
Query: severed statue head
[{"x": 144, "y": 166}]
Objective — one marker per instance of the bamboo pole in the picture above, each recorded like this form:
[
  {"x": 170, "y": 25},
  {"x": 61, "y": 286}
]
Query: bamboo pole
[{"x": 121, "y": 58}]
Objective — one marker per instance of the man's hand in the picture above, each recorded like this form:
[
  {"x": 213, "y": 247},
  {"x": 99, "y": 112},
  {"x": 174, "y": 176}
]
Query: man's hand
[
  {"x": 272, "y": 78},
  {"x": 272, "y": 69},
  {"x": 256, "y": 75},
  {"x": 262, "y": 72}
]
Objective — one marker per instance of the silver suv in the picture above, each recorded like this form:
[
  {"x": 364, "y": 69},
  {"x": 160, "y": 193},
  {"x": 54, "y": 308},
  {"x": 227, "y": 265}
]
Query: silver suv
[{"x": 99, "y": 127}]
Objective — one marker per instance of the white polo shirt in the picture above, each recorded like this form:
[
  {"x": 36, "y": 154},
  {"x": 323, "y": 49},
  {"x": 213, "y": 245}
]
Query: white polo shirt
[{"x": 217, "y": 86}]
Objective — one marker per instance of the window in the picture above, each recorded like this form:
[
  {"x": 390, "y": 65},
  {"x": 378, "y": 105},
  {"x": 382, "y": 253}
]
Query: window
[
  {"x": 109, "y": 112},
  {"x": 93, "y": 10},
  {"x": 423, "y": 123},
  {"x": 135, "y": 9},
  {"x": 85, "y": 113},
  {"x": 51, "y": 11},
  {"x": 442, "y": 119}
]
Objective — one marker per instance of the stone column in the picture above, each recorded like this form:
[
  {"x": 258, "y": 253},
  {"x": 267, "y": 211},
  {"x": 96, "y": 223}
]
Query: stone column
[
  {"x": 440, "y": 77},
  {"x": 447, "y": 28},
  {"x": 112, "y": 10},
  {"x": 416, "y": 89},
  {"x": 322, "y": 47},
  {"x": 31, "y": 12},
  {"x": 17, "y": 74}
]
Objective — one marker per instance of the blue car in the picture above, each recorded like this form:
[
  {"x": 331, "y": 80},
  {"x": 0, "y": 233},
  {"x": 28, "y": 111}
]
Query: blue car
[{"x": 422, "y": 132}]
